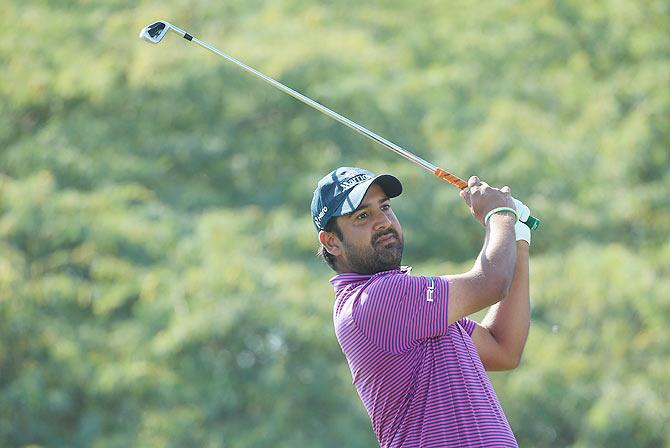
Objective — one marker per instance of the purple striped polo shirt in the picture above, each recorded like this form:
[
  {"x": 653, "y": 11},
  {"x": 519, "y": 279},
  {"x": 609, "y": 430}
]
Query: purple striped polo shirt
[{"x": 420, "y": 379}]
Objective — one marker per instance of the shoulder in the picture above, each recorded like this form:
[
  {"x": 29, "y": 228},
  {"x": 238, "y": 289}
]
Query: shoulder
[
  {"x": 395, "y": 288},
  {"x": 390, "y": 283}
]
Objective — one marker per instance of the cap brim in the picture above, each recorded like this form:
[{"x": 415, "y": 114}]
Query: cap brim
[{"x": 390, "y": 184}]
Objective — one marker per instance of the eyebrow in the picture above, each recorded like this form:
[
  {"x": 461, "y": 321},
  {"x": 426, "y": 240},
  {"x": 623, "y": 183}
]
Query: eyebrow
[{"x": 365, "y": 205}]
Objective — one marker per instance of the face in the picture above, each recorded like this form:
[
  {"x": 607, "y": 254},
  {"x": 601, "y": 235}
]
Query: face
[{"x": 372, "y": 237}]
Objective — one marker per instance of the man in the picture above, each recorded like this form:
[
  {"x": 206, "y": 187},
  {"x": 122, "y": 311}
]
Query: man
[{"x": 417, "y": 361}]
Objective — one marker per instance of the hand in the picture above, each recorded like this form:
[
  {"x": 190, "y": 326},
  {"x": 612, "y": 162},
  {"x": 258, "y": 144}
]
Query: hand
[
  {"x": 482, "y": 198},
  {"x": 521, "y": 230}
]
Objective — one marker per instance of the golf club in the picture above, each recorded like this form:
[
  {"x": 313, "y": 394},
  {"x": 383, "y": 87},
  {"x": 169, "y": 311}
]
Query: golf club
[{"x": 155, "y": 32}]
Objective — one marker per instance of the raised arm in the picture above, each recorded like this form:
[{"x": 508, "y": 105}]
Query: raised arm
[
  {"x": 489, "y": 279},
  {"x": 501, "y": 337}
]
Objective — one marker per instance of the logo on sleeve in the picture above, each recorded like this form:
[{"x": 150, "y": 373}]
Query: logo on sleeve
[{"x": 430, "y": 289}]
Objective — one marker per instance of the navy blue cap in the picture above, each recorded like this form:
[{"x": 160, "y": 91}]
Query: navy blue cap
[{"x": 341, "y": 191}]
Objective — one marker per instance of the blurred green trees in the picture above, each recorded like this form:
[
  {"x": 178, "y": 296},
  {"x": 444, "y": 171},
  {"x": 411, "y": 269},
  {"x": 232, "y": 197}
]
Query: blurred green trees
[{"x": 158, "y": 284}]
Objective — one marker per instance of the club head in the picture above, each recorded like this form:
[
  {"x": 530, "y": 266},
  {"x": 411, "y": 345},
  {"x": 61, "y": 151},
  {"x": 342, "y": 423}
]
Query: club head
[{"x": 154, "y": 33}]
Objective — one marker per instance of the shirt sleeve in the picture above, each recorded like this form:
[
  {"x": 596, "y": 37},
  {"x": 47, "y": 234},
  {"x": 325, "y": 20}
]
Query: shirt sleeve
[
  {"x": 398, "y": 310},
  {"x": 468, "y": 325}
]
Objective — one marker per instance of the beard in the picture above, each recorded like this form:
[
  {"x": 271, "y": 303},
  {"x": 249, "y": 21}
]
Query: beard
[{"x": 377, "y": 257}]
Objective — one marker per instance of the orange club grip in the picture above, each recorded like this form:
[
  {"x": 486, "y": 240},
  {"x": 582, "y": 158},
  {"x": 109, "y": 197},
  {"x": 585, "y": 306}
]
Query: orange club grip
[{"x": 453, "y": 180}]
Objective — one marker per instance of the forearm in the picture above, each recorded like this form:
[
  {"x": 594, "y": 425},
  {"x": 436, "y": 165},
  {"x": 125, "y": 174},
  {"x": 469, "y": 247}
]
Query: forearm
[
  {"x": 498, "y": 256},
  {"x": 509, "y": 320},
  {"x": 489, "y": 279}
]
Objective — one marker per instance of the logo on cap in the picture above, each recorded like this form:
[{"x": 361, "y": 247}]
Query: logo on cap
[
  {"x": 319, "y": 217},
  {"x": 349, "y": 183}
]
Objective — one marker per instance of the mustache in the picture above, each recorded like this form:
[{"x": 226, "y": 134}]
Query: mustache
[{"x": 377, "y": 236}]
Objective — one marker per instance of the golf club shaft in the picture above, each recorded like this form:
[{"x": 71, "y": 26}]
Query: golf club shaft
[
  {"x": 320, "y": 107},
  {"x": 437, "y": 171}
]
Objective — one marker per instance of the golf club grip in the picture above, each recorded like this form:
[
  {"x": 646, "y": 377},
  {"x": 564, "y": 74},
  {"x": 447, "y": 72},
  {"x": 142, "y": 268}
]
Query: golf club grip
[
  {"x": 459, "y": 183},
  {"x": 451, "y": 178}
]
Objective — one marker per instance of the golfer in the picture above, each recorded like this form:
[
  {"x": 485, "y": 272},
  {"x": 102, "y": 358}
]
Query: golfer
[{"x": 417, "y": 361}]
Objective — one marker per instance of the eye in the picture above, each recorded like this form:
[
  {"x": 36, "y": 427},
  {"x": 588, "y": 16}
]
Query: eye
[
  {"x": 362, "y": 216},
  {"x": 386, "y": 207}
]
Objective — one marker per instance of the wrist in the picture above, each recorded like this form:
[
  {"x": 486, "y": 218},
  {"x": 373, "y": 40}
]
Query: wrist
[
  {"x": 501, "y": 220},
  {"x": 502, "y": 211}
]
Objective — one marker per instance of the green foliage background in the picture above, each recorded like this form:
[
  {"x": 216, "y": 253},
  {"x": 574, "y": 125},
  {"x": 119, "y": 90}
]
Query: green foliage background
[{"x": 158, "y": 284}]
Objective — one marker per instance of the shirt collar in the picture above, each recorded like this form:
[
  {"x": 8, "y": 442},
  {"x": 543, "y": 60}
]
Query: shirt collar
[{"x": 346, "y": 278}]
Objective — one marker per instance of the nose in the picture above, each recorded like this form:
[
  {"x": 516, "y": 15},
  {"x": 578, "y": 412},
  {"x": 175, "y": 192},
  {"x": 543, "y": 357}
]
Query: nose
[{"x": 382, "y": 222}]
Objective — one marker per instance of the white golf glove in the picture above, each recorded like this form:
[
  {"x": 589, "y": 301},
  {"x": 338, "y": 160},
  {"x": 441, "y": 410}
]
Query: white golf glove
[{"x": 521, "y": 230}]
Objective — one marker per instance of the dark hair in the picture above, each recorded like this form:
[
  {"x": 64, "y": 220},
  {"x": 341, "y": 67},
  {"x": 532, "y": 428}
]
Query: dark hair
[{"x": 331, "y": 226}]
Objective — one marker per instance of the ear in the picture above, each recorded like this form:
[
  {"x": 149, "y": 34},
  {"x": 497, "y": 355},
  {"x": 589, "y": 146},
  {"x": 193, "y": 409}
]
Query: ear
[{"x": 330, "y": 241}]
